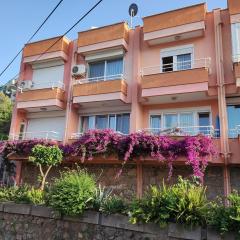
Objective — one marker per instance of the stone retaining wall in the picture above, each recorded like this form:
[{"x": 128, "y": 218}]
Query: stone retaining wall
[{"x": 22, "y": 222}]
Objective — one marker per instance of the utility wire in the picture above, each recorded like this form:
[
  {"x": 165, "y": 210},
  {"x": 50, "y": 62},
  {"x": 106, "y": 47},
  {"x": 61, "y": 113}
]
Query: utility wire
[
  {"x": 73, "y": 26},
  {"x": 46, "y": 19}
]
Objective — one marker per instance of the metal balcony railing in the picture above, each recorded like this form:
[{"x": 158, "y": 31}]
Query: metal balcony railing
[
  {"x": 101, "y": 78},
  {"x": 43, "y": 85},
  {"x": 47, "y": 135},
  {"x": 178, "y": 66},
  {"x": 183, "y": 131}
]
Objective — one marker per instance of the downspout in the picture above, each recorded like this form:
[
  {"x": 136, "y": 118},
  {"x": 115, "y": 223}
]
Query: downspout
[
  {"x": 225, "y": 153},
  {"x": 70, "y": 89}
]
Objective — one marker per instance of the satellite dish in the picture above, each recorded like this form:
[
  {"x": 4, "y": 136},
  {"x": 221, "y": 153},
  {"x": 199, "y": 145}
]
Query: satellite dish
[{"x": 133, "y": 10}]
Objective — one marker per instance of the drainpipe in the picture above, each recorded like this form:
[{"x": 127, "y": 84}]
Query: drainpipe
[
  {"x": 70, "y": 89},
  {"x": 225, "y": 153}
]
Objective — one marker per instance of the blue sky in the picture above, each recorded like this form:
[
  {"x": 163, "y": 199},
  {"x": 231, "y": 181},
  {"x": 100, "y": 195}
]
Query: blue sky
[{"x": 19, "y": 19}]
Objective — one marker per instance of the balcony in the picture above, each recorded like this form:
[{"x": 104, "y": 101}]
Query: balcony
[
  {"x": 180, "y": 24},
  {"x": 234, "y": 7},
  {"x": 47, "y": 95},
  {"x": 111, "y": 36},
  {"x": 46, "y": 135},
  {"x": 54, "y": 48},
  {"x": 185, "y": 80},
  {"x": 108, "y": 88}
]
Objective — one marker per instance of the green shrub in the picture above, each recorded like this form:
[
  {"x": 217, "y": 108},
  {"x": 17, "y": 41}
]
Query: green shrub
[
  {"x": 45, "y": 156},
  {"x": 156, "y": 206},
  {"x": 22, "y": 194},
  {"x": 184, "y": 202},
  {"x": 113, "y": 204},
  {"x": 191, "y": 205},
  {"x": 101, "y": 195},
  {"x": 73, "y": 192},
  {"x": 226, "y": 218}
]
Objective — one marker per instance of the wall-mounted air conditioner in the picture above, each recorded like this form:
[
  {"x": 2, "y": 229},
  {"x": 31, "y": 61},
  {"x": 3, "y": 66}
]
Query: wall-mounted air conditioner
[
  {"x": 26, "y": 85},
  {"x": 79, "y": 70}
]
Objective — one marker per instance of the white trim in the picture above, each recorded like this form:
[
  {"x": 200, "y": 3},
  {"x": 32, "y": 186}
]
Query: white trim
[
  {"x": 46, "y": 114},
  {"x": 47, "y": 64},
  {"x": 105, "y": 55}
]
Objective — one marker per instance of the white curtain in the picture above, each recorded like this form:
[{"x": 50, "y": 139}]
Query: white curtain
[{"x": 184, "y": 61}]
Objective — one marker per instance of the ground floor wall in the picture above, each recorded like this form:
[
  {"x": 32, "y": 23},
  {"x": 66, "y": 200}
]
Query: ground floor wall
[{"x": 129, "y": 182}]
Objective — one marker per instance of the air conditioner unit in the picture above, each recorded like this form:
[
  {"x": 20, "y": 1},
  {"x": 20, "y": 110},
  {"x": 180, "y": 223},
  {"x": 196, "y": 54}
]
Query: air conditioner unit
[
  {"x": 79, "y": 70},
  {"x": 26, "y": 85}
]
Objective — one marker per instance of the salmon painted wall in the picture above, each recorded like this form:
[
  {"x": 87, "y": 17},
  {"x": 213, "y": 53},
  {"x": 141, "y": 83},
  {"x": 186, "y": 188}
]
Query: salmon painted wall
[{"x": 203, "y": 48}]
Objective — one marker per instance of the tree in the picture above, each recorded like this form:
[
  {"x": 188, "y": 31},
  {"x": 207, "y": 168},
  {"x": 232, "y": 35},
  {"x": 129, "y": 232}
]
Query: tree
[
  {"x": 5, "y": 115},
  {"x": 45, "y": 157}
]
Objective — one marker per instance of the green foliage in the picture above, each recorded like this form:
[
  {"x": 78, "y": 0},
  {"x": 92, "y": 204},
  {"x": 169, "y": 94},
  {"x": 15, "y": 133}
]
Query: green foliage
[
  {"x": 5, "y": 115},
  {"x": 191, "y": 205},
  {"x": 22, "y": 194},
  {"x": 184, "y": 202},
  {"x": 113, "y": 204},
  {"x": 46, "y": 155},
  {"x": 101, "y": 195},
  {"x": 73, "y": 192},
  {"x": 226, "y": 218},
  {"x": 156, "y": 206}
]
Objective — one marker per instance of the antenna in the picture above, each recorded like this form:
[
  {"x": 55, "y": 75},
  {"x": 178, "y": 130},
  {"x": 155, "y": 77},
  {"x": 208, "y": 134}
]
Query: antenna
[{"x": 133, "y": 10}]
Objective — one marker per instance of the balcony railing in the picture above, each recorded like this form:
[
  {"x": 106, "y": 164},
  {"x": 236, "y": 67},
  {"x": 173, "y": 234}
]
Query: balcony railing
[
  {"x": 236, "y": 58},
  {"x": 178, "y": 66},
  {"x": 184, "y": 131},
  {"x": 101, "y": 78},
  {"x": 47, "y": 135},
  {"x": 77, "y": 135},
  {"x": 42, "y": 85}
]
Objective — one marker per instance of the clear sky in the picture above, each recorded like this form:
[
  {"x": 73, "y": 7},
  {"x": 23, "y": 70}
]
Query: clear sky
[{"x": 20, "y": 18}]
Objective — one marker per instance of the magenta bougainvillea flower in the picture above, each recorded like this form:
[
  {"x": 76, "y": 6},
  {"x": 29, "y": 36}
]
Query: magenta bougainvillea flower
[{"x": 197, "y": 150}]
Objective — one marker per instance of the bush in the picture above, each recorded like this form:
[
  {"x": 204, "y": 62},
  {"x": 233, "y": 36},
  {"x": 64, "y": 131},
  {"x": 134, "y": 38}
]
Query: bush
[
  {"x": 156, "y": 206},
  {"x": 113, "y": 205},
  {"x": 226, "y": 218},
  {"x": 73, "y": 192},
  {"x": 184, "y": 202},
  {"x": 22, "y": 194}
]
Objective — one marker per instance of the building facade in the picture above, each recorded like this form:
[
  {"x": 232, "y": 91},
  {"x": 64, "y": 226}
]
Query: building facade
[{"x": 179, "y": 71}]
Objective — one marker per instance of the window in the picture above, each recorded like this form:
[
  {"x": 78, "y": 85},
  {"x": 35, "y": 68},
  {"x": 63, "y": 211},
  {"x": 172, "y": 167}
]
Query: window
[
  {"x": 48, "y": 77},
  {"x": 236, "y": 41},
  {"x": 233, "y": 112},
  {"x": 176, "y": 59},
  {"x": 204, "y": 122},
  {"x": 117, "y": 122},
  {"x": 22, "y": 131},
  {"x": 106, "y": 70},
  {"x": 192, "y": 122}
]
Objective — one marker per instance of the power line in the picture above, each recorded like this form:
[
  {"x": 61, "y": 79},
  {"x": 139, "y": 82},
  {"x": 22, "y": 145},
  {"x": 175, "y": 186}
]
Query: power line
[
  {"x": 34, "y": 34},
  {"x": 74, "y": 25}
]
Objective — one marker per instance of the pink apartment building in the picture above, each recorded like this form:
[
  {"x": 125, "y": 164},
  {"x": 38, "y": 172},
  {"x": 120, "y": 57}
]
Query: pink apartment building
[{"x": 181, "y": 69}]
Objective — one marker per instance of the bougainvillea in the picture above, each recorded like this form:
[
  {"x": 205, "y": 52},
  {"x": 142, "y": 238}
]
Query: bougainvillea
[{"x": 195, "y": 149}]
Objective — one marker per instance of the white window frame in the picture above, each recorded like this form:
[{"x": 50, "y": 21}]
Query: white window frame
[
  {"x": 195, "y": 112},
  {"x": 235, "y": 29},
  {"x": 105, "y": 65},
  {"x": 101, "y": 114},
  {"x": 174, "y": 52}
]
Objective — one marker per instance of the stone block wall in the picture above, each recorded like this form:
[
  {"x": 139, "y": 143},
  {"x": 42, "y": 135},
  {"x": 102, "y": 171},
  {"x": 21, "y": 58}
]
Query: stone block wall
[{"x": 27, "y": 222}]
